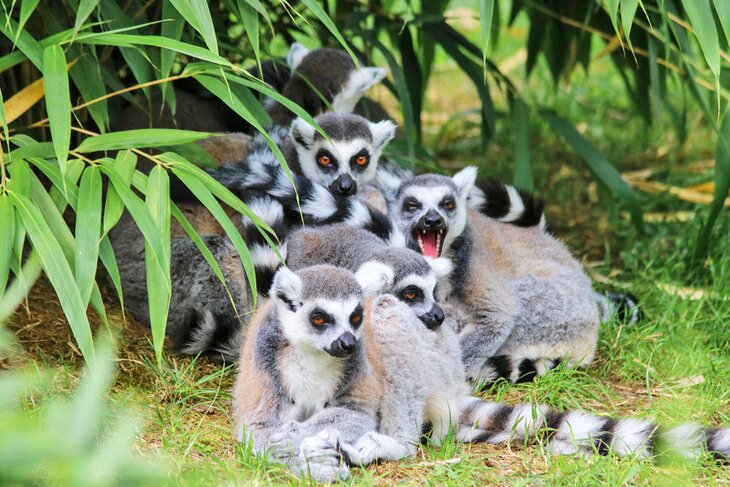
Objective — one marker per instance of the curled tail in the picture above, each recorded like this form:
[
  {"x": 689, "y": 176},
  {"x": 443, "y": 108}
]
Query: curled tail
[
  {"x": 508, "y": 204},
  {"x": 218, "y": 336},
  {"x": 624, "y": 307},
  {"x": 569, "y": 432}
]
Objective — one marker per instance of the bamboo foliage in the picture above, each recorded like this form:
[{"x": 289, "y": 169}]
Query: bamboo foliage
[{"x": 67, "y": 67}]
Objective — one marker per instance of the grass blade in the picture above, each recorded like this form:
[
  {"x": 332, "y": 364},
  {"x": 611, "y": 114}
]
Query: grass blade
[
  {"x": 88, "y": 226},
  {"x": 198, "y": 16},
  {"x": 7, "y": 222},
  {"x": 126, "y": 139},
  {"x": 58, "y": 271},
  {"x": 58, "y": 101},
  {"x": 602, "y": 170}
]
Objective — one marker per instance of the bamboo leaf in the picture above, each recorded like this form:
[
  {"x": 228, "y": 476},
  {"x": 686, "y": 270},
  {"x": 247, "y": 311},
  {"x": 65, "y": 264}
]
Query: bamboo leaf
[
  {"x": 24, "y": 42},
  {"x": 125, "y": 163},
  {"x": 58, "y": 101},
  {"x": 198, "y": 16},
  {"x": 26, "y": 276},
  {"x": 603, "y": 170},
  {"x": 7, "y": 222},
  {"x": 26, "y": 10},
  {"x": 107, "y": 257},
  {"x": 521, "y": 123},
  {"x": 628, "y": 12},
  {"x": 722, "y": 7},
  {"x": 87, "y": 78},
  {"x": 250, "y": 20},
  {"x": 611, "y": 7},
  {"x": 322, "y": 16},
  {"x": 83, "y": 11},
  {"x": 126, "y": 139},
  {"x": 159, "y": 287},
  {"x": 721, "y": 188},
  {"x": 88, "y": 226},
  {"x": 700, "y": 16},
  {"x": 171, "y": 28},
  {"x": 486, "y": 13},
  {"x": 58, "y": 271}
]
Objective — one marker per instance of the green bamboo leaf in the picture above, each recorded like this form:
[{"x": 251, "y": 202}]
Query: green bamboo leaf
[
  {"x": 204, "y": 250},
  {"x": 58, "y": 101},
  {"x": 44, "y": 150},
  {"x": 128, "y": 40},
  {"x": 486, "y": 13},
  {"x": 126, "y": 139},
  {"x": 7, "y": 223},
  {"x": 722, "y": 7},
  {"x": 125, "y": 163},
  {"x": 611, "y": 7},
  {"x": 700, "y": 17},
  {"x": 239, "y": 98},
  {"x": 602, "y": 170},
  {"x": 138, "y": 211},
  {"x": 159, "y": 287},
  {"x": 87, "y": 78},
  {"x": 97, "y": 303},
  {"x": 628, "y": 12},
  {"x": 722, "y": 188},
  {"x": 171, "y": 28},
  {"x": 250, "y": 20},
  {"x": 58, "y": 271},
  {"x": 207, "y": 199},
  {"x": 198, "y": 16},
  {"x": 107, "y": 257},
  {"x": 25, "y": 277},
  {"x": 24, "y": 42},
  {"x": 88, "y": 226},
  {"x": 26, "y": 10},
  {"x": 83, "y": 11},
  {"x": 521, "y": 123}
]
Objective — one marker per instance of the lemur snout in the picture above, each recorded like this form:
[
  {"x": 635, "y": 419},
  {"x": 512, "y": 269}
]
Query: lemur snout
[
  {"x": 344, "y": 185},
  {"x": 433, "y": 318},
  {"x": 432, "y": 220},
  {"x": 343, "y": 346}
]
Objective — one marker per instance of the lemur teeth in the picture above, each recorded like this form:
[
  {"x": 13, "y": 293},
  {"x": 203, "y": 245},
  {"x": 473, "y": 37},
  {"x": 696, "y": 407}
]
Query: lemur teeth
[{"x": 420, "y": 242}]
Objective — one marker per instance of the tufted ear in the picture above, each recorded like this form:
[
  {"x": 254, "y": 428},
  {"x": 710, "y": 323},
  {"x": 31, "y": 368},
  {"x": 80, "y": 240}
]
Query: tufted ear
[
  {"x": 367, "y": 77},
  {"x": 383, "y": 132},
  {"x": 287, "y": 288},
  {"x": 465, "y": 179},
  {"x": 374, "y": 277},
  {"x": 302, "y": 133},
  {"x": 441, "y": 266},
  {"x": 297, "y": 52}
]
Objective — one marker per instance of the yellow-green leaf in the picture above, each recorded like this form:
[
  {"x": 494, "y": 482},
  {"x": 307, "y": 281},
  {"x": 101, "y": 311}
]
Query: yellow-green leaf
[
  {"x": 198, "y": 16},
  {"x": 88, "y": 226},
  {"x": 127, "y": 139},
  {"x": 58, "y": 101}
]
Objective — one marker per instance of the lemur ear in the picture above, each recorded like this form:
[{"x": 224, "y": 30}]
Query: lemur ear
[
  {"x": 374, "y": 277},
  {"x": 383, "y": 132},
  {"x": 441, "y": 266},
  {"x": 302, "y": 133},
  {"x": 368, "y": 77},
  {"x": 287, "y": 287},
  {"x": 465, "y": 179},
  {"x": 388, "y": 182},
  {"x": 297, "y": 52}
]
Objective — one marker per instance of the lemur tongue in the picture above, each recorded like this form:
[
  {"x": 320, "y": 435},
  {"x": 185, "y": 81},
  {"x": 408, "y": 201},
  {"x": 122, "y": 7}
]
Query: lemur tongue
[{"x": 430, "y": 244}]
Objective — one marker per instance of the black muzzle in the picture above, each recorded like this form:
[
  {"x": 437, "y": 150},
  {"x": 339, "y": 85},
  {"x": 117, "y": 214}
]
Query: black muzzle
[
  {"x": 344, "y": 185},
  {"x": 433, "y": 318},
  {"x": 343, "y": 346}
]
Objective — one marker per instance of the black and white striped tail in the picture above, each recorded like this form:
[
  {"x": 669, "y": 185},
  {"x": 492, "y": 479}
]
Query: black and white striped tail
[
  {"x": 514, "y": 369},
  {"x": 218, "y": 336},
  {"x": 624, "y": 307},
  {"x": 508, "y": 204},
  {"x": 571, "y": 432}
]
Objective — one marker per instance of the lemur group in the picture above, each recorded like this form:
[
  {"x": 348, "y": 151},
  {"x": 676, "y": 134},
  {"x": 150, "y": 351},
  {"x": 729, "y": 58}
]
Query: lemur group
[{"x": 400, "y": 295}]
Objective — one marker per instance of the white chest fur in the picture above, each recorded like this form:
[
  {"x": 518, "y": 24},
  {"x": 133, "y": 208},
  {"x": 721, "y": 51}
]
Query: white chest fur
[{"x": 311, "y": 380}]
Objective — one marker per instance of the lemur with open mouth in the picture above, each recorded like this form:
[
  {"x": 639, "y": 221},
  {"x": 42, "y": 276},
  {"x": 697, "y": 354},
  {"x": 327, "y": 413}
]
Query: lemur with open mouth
[{"x": 330, "y": 377}]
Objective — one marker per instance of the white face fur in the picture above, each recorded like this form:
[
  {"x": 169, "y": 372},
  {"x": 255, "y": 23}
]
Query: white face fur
[
  {"x": 431, "y": 216},
  {"x": 341, "y": 165}
]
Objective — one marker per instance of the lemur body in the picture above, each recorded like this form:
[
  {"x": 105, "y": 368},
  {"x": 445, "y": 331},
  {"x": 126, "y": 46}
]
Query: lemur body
[
  {"x": 324, "y": 374},
  {"x": 525, "y": 300}
]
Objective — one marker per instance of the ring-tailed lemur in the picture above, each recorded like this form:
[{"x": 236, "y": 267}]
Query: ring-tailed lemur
[
  {"x": 326, "y": 380},
  {"x": 526, "y": 302}
]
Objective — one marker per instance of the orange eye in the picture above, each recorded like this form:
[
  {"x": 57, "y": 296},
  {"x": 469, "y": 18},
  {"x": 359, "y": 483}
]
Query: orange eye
[
  {"x": 361, "y": 160},
  {"x": 356, "y": 319},
  {"x": 325, "y": 160},
  {"x": 317, "y": 319},
  {"x": 409, "y": 295},
  {"x": 449, "y": 205}
]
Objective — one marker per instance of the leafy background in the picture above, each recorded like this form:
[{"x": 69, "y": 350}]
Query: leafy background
[{"x": 69, "y": 68}]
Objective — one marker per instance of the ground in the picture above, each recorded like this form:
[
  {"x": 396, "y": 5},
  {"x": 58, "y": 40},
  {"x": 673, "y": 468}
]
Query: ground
[{"x": 673, "y": 366}]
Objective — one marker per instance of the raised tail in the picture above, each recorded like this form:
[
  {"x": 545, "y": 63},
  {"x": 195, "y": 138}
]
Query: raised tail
[
  {"x": 570, "y": 432},
  {"x": 625, "y": 307},
  {"x": 508, "y": 204}
]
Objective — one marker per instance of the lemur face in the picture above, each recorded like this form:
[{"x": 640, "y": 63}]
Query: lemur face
[
  {"x": 320, "y": 308},
  {"x": 414, "y": 281},
  {"x": 349, "y": 158},
  {"x": 431, "y": 210}
]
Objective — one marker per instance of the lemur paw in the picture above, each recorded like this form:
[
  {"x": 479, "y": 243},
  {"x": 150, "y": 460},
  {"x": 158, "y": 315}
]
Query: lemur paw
[
  {"x": 323, "y": 444},
  {"x": 374, "y": 446},
  {"x": 285, "y": 440},
  {"x": 320, "y": 458}
]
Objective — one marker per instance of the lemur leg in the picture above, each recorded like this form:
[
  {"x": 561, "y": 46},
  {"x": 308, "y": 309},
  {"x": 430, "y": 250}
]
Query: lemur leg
[{"x": 481, "y": 338}]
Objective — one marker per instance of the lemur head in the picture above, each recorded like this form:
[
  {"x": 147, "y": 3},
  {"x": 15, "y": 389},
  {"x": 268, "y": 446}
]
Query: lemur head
[
  {"x": 351, "y": 155},
  {"x": 333, "y": 74},
  {"x": 431, "y": 210},
  {"x": 413, "y": 282},
  {"x": 320, "y": 308}
]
